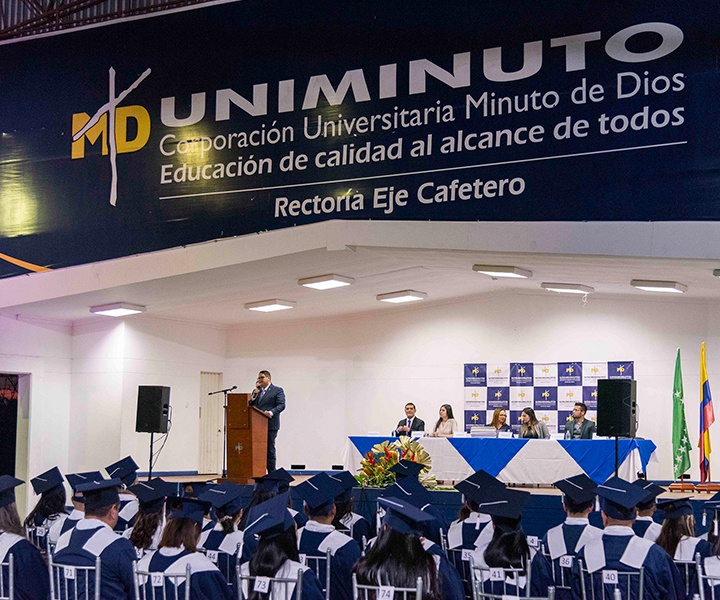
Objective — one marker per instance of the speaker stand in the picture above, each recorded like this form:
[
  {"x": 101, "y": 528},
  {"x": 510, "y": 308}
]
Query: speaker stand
[
  {"x": 616, "y": 457},
  {"x": 151, "y": 457}
]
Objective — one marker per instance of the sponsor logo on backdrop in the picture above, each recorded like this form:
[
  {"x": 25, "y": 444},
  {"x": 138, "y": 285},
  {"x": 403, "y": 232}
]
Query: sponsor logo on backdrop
[{"x": 109, "y": 124}]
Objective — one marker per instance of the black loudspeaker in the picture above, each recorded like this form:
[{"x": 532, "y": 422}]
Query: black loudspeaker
[
  {"x": 616, "y": 407},
  {"x": 152, "y": 409}
]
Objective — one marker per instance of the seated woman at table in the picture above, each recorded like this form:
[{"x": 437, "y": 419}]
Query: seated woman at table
[
  {"x": 531, "y": 427},
  {"x": 499, "y": 420},
  {"x": 446, "y": 425}
]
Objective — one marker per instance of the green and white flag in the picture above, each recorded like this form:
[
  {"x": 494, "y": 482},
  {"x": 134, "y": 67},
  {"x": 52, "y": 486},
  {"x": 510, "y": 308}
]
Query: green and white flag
[{"x": 680, "y": 438}]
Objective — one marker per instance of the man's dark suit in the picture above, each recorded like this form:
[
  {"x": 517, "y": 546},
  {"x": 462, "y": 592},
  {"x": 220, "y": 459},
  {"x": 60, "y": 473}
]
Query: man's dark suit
[
  {"x": 586, "y": 432},
  {"x": 416, "y": 425},
  {"x": 272, "y": 400}
]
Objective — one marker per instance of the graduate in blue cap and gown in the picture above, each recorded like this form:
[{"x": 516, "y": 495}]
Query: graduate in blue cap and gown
[
  {"x": 78, "y": 512},
  {"x": 677, "y": 538},
  {"x": 416, "y": 493},
  {"x": 277, "y": 554},
  {"x": 508, "y": 548},
  {"x": 146, "y": 533},
  {"x": 620, "y": 549},
  {"x": 319, "y": 535},
  {"x": 125, "y": 470},
  {"x": 178, "y": 549},
  {"x": 472, "y": 530},
  {"x": 397, "y": 557},
  {"x": 565, "y": 540},
  {"x": 345, "y": 518},
  {"x": 279, "y": 481},
  {"x": 30, "y": 571},
  {"x": 50, "y": 509},
  {"x": 644, "y": 525},
  {"x": 223, "y": 542},
  {"x": 450, "y": 580},
  {"x": 94, "y": 537}
]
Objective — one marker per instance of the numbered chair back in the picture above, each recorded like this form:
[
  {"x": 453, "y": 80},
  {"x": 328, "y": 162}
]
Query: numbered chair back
[
  {"x": 607, "y": 584},
  {"x": 36, "y": 536},
  {"x": 460, "y": 558},
  {"x": 708, "y": 575},
  {"x": 70, "y": 582},
  {"x": 496, "y": 582},
  {"x": 276, "y": 588},
  {"x": 386, "y": 592},
  {"x": 688, "y": 573},
  {"x": 7, "y": 579},
  {"x": 322, "y": 567},
  {"x": 561, "y": 569},
  {"x": 161, "y": 586},
  {"x": 227, "y": 563}
]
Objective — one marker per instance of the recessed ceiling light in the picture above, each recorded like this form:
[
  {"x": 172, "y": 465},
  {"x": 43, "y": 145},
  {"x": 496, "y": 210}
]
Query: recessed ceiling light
[
  {"x": 326, "y": 282},
  {"x": 672, "y": 287},
  {"x": 270, "y": 305},
  {"x": 567, "y": 288},
  {"x": 117, "y": 309},
  {"x": 497, "y": 271},
  {"x": 403, "y": 296}
]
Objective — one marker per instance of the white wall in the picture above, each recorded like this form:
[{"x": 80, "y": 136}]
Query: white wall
[
  {"x": 42, "y": 349},
  {"x": 351, "y": 375}
]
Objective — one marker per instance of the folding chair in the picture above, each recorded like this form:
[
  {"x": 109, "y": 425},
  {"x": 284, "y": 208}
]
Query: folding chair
[
  {"x": 276, "y": 587},
  {"x": 160, "y": 586},
  {"x": 36, "y": 536},
  {"x": 460, "y": 558},
  {"x": 610, "y": 584},
  {"x": 493, "y": 583},
  {"x": 708, "y": 575},
  {"x": 321, "y": 566},
  {"x": 227, "y": 563},
  {"x": 7, "y": 582},
  {"x": 70, "y": 582},
  {"x": 561, "y": 570},
  {"x": 688, "y": 572},
  {"x": 373, "y": 592}
]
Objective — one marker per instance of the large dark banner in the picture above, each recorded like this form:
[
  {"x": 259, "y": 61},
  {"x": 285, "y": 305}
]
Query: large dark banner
[{"x": 265, "y": 114}]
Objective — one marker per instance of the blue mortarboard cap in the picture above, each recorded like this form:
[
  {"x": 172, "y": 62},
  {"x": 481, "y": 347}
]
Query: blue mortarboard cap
[
  {"x": 270, "y": 518},
  {"x": 406, "y": 468},
  {"x": 77, "y": 479},
  {"x": 619, "y": 498},
  {"x": 502, "y": 502},
  {"x": 151, "y": 494},
  {"x": 652, "y": 491},
  {"x": 403, "y": 516},
  {"x": 348, "y": 481},
  {"x": 8, "y": 483},
  {"x": 474, "y": 485},
  {"x": 99, "y": 494},
  {"x": 409, "y": 490},
  {"x": 579, "y": 488},
  {"x": 713, "y": 503},
  {"x": 47, "y": 481},
  {"x": 319, "y": 490},
  {"x": 124, "y": 469},
  {"x": 277, "y": 481},
  {"x": 675, "y": 507},
  {"x": 191, "y": 508},
  {"x": 226, "y": 494}
]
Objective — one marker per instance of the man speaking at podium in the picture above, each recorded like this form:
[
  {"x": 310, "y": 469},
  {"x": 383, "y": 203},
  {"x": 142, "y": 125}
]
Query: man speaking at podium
[{"x": 270, "y": 399}]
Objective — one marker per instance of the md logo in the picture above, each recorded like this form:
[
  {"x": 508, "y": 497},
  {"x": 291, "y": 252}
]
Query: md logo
[
  {"x": 498, "y": 394},
  {"x": 110, "y": 125},
  {"x": 475, "y": 371}
]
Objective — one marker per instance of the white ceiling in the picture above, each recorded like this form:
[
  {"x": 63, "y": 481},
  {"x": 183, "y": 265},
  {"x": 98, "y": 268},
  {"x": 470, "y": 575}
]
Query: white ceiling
[{"x": 216, "y": 295}]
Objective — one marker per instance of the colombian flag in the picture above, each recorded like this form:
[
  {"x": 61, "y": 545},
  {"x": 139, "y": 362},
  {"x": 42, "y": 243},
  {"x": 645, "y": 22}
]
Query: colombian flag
[{"x": 707, "y": 417}]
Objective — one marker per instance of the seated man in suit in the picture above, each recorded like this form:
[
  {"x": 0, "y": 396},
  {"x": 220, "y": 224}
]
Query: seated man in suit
[
  {"x": 270, "y": 399},
  {"x": 580, "y": 428},
  {"x": 411, "y": 423}
]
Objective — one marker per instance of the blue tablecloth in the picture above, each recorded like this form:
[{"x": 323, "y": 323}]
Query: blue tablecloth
[{"x": 550, "y": 459}]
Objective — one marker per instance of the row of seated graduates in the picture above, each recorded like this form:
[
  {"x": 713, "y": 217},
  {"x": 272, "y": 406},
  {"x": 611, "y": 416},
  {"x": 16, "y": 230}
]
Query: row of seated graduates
[{"x": 482, "y": 493}]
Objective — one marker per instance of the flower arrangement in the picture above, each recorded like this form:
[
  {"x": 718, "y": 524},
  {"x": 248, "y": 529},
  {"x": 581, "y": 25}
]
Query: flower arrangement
[{"x": 375, "y": 466}]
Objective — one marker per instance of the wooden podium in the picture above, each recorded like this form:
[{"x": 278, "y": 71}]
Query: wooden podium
[{"x": 247, "y": 432}]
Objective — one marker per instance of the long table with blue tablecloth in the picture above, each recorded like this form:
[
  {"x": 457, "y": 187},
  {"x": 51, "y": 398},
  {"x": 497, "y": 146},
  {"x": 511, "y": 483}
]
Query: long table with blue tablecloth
[{"x": 521, "y": 461}]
